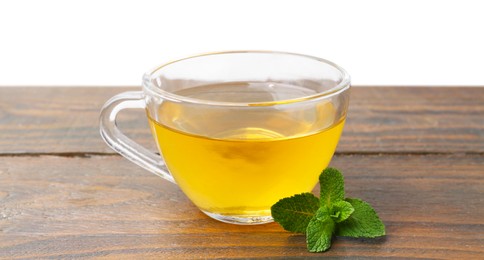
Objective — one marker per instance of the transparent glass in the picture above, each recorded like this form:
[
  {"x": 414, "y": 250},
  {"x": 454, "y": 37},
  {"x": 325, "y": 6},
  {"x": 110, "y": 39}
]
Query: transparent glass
[{"x": 237, "y": 131}]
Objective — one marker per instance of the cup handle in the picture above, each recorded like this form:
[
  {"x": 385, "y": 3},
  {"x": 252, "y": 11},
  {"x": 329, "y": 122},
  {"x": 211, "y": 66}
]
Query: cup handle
[{"x": 121, "y": 143}]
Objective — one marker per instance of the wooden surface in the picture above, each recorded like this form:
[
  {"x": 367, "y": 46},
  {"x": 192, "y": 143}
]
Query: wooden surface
[
  {"x": 416, "y": 154},
  {"x": 389, "y": 120}
]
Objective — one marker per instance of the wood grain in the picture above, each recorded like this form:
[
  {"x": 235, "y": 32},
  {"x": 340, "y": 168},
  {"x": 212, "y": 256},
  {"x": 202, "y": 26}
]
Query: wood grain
[
  {"x": 106, "y": 207},
  {"x": 416, "y": 154},
  {"x": 60, "y": 120},
  {"x": 380, "y": 120}
]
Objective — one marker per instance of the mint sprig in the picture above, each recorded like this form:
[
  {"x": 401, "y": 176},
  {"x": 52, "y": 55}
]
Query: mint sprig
[{"x": 331, "y": 214}]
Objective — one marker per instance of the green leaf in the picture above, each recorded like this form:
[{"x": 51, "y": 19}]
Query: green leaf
[
  {"x": 294, "y": 213},
  {"x": 341, "y": 210},
  {"x": 332, "y": 186},
  {"x": 330, "y": 215},
  {"x": 320, "y": 231},
  {"x": 364, "y": 222}
]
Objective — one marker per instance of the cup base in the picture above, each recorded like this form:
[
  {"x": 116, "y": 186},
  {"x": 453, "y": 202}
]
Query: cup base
[{"x": 240, "y": 220}]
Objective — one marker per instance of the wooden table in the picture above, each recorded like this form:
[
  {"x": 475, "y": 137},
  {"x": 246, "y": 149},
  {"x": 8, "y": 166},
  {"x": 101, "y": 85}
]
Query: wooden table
[{"x": 416, "y": 154}]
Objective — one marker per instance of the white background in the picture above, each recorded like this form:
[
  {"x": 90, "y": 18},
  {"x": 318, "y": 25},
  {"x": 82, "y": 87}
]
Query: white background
[{"x": 99, "y": 43}]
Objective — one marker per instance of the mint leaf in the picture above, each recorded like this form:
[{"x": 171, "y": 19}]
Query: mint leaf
[
  {"x": 294, "y": 213},
  {"x": 364, "y": 222},
  {"x": 330, "y": 215},
  {"x": 320, "y": 231},
  {"x": 332, "y": 187},
  {"x": 341, "y": 210}
]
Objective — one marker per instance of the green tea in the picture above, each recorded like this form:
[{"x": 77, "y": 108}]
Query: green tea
[{"x": 241, "y": 164}]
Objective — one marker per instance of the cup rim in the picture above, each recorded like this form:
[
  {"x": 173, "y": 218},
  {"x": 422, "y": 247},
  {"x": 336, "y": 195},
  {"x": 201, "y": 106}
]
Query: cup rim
[{"x": 163, "y": 94}]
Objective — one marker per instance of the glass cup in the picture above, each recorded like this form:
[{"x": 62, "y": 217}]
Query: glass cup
[{"x": 237, "y": 131}]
